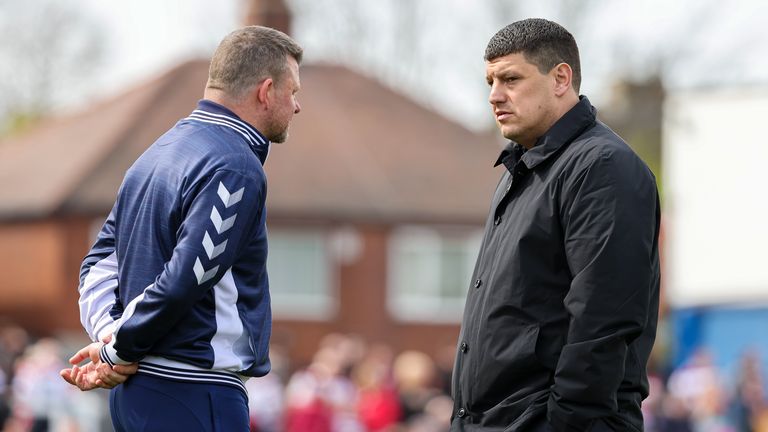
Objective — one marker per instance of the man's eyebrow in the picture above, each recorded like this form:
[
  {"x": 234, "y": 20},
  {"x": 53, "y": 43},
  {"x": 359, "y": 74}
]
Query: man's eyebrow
[{"x": 502, "y": 72}]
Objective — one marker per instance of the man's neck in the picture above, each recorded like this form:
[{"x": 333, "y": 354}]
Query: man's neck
[
  {"x": 569, "y": 101},
  {"x": 243, "y": 110}
]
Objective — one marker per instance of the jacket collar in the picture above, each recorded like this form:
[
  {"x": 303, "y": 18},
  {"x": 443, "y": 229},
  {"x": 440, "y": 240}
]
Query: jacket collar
[
  {"x": 579, "y": 118},
  {"x": 213, "y": 113}
]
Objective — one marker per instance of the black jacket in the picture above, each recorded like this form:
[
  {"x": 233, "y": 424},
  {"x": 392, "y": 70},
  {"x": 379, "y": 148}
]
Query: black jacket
[{"x": 561, "y": 313}]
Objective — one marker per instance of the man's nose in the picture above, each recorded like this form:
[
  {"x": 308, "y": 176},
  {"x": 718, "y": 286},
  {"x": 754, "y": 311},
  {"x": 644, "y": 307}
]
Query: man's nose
[
  {"x": 298, "y": 108},
  {"x": 496, "y": 95}
]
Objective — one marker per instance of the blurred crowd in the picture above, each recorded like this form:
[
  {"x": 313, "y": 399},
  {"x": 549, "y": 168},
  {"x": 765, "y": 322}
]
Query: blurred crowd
[
  {"x": 697, "y": 397},
  {"x": 32, "y": 395},
  {"x": 351, "y": 385}
]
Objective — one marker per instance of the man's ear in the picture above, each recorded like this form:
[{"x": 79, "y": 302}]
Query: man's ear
[
  {"x": 264, "y": 92},
  {"x": 563, "y": 75}
]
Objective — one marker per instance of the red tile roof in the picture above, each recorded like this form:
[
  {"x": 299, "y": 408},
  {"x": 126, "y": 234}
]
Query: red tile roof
[{"x": 358, "y": 151}]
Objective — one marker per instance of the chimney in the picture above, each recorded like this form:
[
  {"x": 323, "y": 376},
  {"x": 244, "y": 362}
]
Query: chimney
[{"x": 269, "y": 13}]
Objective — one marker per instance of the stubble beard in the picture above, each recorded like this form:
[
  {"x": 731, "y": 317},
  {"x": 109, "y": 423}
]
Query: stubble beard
[
  {"x": 279, "y": 138},
  {"x": 509, "y": 133},
  {"x": 278, "y": 133}
]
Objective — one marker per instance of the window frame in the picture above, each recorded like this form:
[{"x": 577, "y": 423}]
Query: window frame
[
  {"x": 406, "y": 307},
  {"x": 322, "y": 306}
]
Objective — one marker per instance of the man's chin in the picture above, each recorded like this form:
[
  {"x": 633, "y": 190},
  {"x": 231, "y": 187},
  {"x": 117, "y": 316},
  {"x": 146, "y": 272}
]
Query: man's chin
[
  {"x": 508, "y": 134},
  {"x": 278, "y": 138}
]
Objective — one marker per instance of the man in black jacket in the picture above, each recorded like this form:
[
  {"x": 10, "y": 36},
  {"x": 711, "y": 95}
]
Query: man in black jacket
[{"x": 561, "y": 313}]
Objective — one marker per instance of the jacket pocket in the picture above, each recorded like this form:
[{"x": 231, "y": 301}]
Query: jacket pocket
[{"x": 506, "y": 363}]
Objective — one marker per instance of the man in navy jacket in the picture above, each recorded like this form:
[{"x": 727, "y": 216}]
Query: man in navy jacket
[{"x": 176, "y": 283}]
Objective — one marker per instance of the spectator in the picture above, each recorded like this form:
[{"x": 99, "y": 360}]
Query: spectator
[
  {"x": 674, "y": 416},
  {"x": 40, "y": 397},
  {"x": 415, "y": 376},
  {"x": 320, "y": 398},
  {"x": 13, "y": 342},
  {"x": 700, "y": 388},
  {"x": 748, "y": 405},
  {"x": 266, "y": 395},
  {"x": 378, "y": 406}
]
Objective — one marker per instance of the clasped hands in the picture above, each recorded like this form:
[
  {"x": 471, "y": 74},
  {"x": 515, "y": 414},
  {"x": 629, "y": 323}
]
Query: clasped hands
[{"x": 95, "y": 373}]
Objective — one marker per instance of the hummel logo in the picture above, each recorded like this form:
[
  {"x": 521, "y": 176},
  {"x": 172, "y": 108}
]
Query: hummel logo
[
  {"x": 221, "y": 225},
  {"x": 227, "y": 198},
  {"x": 213, "y": 250},
  {"x": 203, "y": 275}
]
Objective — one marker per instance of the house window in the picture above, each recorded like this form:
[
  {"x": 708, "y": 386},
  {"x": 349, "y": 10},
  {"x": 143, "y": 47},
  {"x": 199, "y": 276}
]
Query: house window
[
  {"x": 299, "y": 277},
  {"x": 430, "y": 271}
]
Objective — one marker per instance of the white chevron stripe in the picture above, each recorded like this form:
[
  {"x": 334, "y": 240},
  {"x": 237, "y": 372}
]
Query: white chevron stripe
[
  {"x": 221, "y": 225},
  {"x": 211, "y": 249},
  {"x": 203, "y": 275},
  {"x": 227, "y": 198}
]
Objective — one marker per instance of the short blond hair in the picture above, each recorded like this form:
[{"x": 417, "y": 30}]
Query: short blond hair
[{"x": 249, "y": 55}]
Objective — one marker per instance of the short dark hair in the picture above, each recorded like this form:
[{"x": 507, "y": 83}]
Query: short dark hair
[
  {"x": 543, "y": 43},
  {"x": 249, "y": 55}
]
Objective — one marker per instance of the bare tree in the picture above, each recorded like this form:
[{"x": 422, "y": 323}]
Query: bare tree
[{"x": 48, "y": 52}]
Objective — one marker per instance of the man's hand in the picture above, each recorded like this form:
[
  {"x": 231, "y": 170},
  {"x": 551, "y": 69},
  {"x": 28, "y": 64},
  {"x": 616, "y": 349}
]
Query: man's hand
[
  {"x": 95, "y": 374},
  {"x": 85, "y": 378}
]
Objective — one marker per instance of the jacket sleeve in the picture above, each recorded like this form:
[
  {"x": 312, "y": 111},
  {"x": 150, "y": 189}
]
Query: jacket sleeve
[
  {"x": 217, "y": 217},
  {"x": 610, "y": 225},
  {"x": 98, "y": 283}
]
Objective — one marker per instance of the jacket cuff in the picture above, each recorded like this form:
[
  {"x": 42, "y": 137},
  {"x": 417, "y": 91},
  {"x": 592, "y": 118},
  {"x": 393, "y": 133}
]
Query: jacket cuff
[{"x": 108, "y": 355}]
